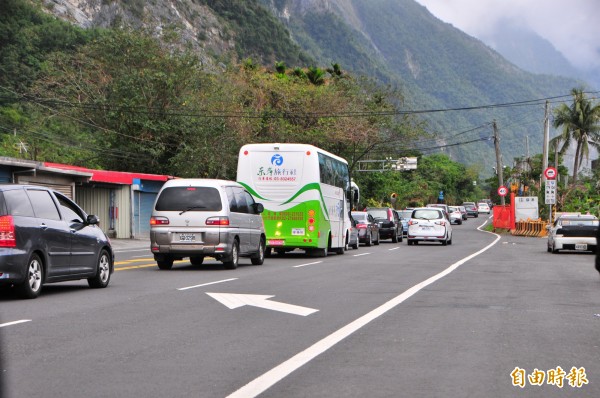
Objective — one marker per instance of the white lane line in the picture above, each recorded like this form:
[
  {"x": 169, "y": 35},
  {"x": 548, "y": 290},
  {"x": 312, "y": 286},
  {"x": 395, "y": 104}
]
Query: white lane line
[
  {"x": 14, "y": 323},
  {"x": 304, "y": 265},
  {"x": 207, "y": 284},
  {"x": 361, "y": 254},
  {"x": 395, "y": 248},
  {"x": 268, "y": 379}
]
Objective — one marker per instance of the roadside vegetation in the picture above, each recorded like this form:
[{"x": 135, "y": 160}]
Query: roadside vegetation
[{"x": 123, "y": 100}]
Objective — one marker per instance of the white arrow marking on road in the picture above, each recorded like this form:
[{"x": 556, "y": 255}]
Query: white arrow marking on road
[
  {"x": 233, "y": 301},
  {"x": 14, "y": 323}
]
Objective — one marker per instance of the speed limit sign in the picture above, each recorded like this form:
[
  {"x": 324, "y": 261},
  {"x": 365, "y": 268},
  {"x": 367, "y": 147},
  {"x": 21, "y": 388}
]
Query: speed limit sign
[
  {"x": 550, "y": 173},
  {"x": 502, "y": 191}
]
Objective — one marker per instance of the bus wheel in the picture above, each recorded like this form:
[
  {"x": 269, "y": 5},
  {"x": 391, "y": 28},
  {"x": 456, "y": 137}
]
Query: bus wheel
[{"x": 318, "y": 252}]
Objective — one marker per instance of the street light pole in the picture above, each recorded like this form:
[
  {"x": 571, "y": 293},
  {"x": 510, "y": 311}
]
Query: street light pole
[{"x": 499, "y": 168}]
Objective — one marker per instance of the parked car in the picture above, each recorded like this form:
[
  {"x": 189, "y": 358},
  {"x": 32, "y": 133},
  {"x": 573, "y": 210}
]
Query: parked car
[
  {"x": 483, "y": 208},
  {"x": 404, "y": 216},
  {"x": 353, "y": 234},
  {"x": 573, "y": 232},
  {"x": 389, "y": 223},
  {"x": 203, "y": 217},
  {"x": 368, "y": 228},
  {"x": 46, "y": 237},
  {"x": 429, "y": 224},
  {"x": 455, "y": 215}
]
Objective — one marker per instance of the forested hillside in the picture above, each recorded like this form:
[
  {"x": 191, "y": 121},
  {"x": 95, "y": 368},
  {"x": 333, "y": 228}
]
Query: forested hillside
[{"x": 436, "y": 66}]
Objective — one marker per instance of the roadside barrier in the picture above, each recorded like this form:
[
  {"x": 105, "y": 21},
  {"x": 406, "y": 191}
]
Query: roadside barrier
[{"x": 534, "y": 228}]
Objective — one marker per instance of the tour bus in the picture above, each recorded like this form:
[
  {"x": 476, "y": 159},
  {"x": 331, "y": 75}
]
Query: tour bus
[{"x": 306, "y": 193}]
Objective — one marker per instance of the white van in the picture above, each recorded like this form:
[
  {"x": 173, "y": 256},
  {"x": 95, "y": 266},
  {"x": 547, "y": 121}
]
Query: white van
[{"x": 204, "y": 217}]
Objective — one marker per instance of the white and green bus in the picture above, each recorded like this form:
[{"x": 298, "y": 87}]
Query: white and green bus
[{"x": 306, "y": 193}]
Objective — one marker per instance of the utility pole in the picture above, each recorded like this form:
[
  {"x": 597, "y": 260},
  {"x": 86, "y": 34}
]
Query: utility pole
[
  {"x": 546, "y": 138},
  {"x": 546, "y": 148},
  {"x": 499, "y": 168}
]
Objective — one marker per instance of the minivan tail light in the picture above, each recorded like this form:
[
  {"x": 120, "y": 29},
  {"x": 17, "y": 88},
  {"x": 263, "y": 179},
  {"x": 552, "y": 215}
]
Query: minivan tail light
[
  {"x": 7, "y": 232},
  {"x": 159, "y": 221},
  {"x": 217, "y": 221}
]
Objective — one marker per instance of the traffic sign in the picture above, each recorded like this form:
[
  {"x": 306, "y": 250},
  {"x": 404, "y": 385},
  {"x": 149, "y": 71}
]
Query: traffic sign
[
  {"x": 550, "y": 197},
  {"x": 502, "y": 191},
  {"x": 550, "y": 173}
]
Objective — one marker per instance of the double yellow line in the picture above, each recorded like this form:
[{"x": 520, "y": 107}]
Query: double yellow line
[{"x": 126, "y": 266}]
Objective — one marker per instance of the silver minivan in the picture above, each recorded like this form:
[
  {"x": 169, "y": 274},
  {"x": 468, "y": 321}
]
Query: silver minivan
[{"x": 204, "y": 217}]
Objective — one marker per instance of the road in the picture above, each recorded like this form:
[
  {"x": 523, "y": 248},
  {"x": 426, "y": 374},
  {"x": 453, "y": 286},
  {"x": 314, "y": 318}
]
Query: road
[{"x": 384, "y": 321}]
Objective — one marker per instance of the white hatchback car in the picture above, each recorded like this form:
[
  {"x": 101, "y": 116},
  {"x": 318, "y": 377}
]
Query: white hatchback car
[
  {"x": 483, "y": 208},
  {"x": 429, "y": 224}
]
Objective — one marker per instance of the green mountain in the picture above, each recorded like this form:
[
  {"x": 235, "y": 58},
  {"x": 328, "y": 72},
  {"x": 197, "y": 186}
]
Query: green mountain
[
  {"x": 395, "y": 42},
  {"x": 436, "y": 65}
]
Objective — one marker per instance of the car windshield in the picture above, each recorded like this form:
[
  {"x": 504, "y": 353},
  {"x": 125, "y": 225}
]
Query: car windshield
[
  {"x": 427, "y": 214},
  {"x": 359, "y": 216},
  {"x": 405, "y": 214},
  {"x": 378, "y": 213}
]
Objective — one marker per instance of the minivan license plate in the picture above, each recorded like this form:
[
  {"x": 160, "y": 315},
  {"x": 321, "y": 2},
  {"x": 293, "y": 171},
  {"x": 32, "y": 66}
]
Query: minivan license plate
[
  {"x": 581, "y": 246},
  {"x": 187, "y": 237}
]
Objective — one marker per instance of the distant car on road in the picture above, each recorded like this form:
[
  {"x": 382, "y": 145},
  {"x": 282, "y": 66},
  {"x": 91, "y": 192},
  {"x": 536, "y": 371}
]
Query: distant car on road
[
  {"x": 455, "y": 215},
  {"x": 368, "y": 228},
  {"x": 353, "y": 234},
  {"x": 46, "y": 237},
  {"x": 483, "y": 208},
  {"x": 573, "y": 232},
  {"x": 429, "y": 224},
  {"x": 471, "y": 209},
  {"x": 404, "y": 216},
  {"x": 389, "y": 223},
  {"x": 463, "y": 211}
]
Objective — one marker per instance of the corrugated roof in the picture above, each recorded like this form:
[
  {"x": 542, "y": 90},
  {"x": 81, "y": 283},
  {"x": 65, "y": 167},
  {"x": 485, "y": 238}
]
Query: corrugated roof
[{"x": 113, "y": 177}]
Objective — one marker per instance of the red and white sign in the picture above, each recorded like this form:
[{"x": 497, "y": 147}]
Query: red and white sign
[
  {"x": 550, "y": 173},
  {"x": 502, "y": 190}
]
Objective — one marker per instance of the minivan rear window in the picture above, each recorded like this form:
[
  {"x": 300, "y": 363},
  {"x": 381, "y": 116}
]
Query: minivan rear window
[{"x": 189, "y": 199}]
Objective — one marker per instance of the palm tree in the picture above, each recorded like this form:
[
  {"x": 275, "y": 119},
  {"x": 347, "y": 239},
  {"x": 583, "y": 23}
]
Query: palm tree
[
  {"x": 580, "y": 124},
  {"x": 316, "y": 75}
]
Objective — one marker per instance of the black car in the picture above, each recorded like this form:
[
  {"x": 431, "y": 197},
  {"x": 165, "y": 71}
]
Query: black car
[
  {"x": 45, "y": 237},
  {"x": 390, "y": 226},
  {"x": 368, "y": 228}
]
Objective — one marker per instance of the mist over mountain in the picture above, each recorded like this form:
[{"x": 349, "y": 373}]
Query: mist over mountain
[{"x": 531, "y": 52}]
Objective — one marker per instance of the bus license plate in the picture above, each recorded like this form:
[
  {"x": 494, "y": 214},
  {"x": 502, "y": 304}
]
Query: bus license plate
[
  {"x": 187, "y": 237},
  {"x": 298, "y": 231},
  {"x": 581, "y": 246}
]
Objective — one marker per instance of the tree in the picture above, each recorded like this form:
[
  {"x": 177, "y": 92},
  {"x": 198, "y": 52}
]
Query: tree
[{"x": 580, "y": 124}]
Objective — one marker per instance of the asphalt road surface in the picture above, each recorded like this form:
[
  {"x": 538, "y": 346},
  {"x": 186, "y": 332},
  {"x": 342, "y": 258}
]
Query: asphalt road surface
[{"x": 487, "y": 316}]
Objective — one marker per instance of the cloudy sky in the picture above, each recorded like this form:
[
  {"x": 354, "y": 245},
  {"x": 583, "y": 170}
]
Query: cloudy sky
[{"x": 572, "y": 26}]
